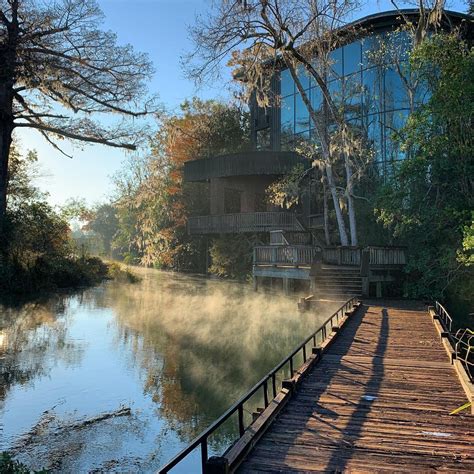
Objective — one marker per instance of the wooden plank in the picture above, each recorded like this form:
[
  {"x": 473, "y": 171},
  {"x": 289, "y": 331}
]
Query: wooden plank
[{"x": 378, "y": 401}]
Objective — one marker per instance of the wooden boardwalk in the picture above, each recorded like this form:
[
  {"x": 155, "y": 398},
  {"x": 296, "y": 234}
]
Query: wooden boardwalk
[{"x": 377, "y": 401}]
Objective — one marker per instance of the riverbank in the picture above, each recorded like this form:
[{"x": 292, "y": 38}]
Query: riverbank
[{"x": 20, "y": 284}]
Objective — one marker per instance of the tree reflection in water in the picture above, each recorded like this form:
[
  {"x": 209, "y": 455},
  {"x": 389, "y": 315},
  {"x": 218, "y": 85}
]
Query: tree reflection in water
[{"x": 184, "y": 348}]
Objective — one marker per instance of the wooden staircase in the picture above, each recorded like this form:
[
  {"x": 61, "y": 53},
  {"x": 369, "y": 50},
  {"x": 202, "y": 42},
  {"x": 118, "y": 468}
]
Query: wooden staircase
[{"x": 337, "y": 283}]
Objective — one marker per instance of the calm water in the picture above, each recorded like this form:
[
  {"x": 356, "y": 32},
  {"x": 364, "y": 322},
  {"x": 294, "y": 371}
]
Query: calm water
[{"x": 176, "y": 350}]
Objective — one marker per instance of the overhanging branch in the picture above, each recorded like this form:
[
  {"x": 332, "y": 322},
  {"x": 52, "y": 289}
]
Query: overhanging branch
[{"x": 76, "y": 136}]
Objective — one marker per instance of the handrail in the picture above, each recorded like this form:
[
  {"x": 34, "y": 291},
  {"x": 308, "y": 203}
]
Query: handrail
[
  {"x": 444, "y": 315},
  {"x": 464, "y": 350},
  {"x": 263, "y": 383},
  {"x": 462, "y": 342}
]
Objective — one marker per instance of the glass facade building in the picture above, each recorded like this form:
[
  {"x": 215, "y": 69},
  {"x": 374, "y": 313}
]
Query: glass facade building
[
  {"x": 371, "y": 92},
  {"x": 370, "y": 89}
]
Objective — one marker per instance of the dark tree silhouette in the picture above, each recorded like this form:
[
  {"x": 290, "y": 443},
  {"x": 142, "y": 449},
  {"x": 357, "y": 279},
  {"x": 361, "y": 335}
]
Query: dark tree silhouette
[{"x": 57, "y": 67}]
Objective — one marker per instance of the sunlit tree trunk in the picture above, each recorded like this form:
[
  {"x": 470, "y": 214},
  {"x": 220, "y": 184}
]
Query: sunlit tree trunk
[
  {"x": 350, "y": 203},
  {"x": 326, "y": 215},
  {"x": 320, "y": 129}
]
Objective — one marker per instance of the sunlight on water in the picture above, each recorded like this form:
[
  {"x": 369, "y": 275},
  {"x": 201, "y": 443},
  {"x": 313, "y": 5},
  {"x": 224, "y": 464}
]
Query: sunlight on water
[{"x": 121, "y": 377}]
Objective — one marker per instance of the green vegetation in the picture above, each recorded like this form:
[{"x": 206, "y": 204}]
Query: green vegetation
[
  {"x": 37, "y": 252},
  {"x": 231, "y": 256},
  {"x": 117, "y": 272},
  {"x": 428, "y": 204},
  {"x": 145, "y": 224},
  {"x": 10, "y": 466}
]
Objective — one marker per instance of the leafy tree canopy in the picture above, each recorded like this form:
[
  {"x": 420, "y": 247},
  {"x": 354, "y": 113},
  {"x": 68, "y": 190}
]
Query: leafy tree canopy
[{"x": 429, "y": 202}]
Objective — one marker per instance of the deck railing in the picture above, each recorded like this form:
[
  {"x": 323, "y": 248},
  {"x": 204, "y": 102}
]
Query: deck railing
[
  {"x": 284, "y": 255},
  {"x": 387, "y": 255},
  {"x": 267, "y": 386},
  {"x": 346, "y": 256},
  {"x": 243, "y": 222},
  {"x": 281, "y": 237}
]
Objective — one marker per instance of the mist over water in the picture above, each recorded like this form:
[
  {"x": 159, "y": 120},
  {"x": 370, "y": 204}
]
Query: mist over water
[{"x": 176, "y": 350}]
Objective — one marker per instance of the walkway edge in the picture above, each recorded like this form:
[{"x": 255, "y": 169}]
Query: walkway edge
[
  {"x": 467, "y": 385},
  {"x": 234, "y": 456}
]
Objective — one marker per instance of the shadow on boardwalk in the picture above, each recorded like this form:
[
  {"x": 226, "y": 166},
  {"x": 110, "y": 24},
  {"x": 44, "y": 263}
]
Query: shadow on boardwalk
[{"x": 379, "y": 399}]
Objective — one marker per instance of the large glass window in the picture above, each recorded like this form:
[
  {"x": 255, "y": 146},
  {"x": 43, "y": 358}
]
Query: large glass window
[
  {"x": 396, "y": 94},
  {"x": 353, "y": 95},
  {"x": 352, "y": 58},
  {"x": 335, "y": 58},
  {"x": 288, "y": 115},
  {"x": 304, "y": 78},
  {"x": 316, "y": 98},
  {"x": 372, "y": 86},
  {"x": 301, "y": 115},
  {"x": 287, "y": 86},
  {"x": 368, "y": 88}
]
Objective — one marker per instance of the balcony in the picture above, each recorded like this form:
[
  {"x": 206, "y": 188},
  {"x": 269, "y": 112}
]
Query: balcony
[
  {"x": 244, "y": 222},
  {"x": 243, "y": 164}
]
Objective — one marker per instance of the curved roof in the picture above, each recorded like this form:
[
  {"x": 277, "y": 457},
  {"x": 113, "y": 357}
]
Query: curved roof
[{"x": 393, "y": 18}]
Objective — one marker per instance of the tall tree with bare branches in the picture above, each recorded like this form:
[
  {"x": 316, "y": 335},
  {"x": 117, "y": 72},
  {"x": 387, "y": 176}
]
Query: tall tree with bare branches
[
  {"x": 57, "y": 68},
  {"x": 267, "y": 35}
]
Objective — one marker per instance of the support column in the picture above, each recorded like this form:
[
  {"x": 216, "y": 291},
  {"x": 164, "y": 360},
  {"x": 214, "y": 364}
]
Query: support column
[
  {"x": 365, "y": 286},
  {"x": 378, "y": 289},
  {"x": 286, "y": 286}
]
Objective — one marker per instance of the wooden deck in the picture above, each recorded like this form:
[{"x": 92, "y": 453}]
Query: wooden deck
[{"x": 377, "y": 401}]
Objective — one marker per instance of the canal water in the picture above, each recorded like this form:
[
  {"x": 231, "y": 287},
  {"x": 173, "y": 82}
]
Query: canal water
[{"x": 122, "y": 376}]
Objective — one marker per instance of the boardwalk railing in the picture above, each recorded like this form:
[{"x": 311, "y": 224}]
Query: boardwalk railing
[
  {"x": 267, "y": 386},
  {"x": 444, "y": 316},
  {"x": 462, "y": 342},
  {"x": 346, "y": 256},
  {"x": 243, "y": 222}
]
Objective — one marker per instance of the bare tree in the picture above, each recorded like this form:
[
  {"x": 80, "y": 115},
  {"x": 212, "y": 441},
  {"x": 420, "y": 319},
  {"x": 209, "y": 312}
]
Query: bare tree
[
  {"x": 57, "y": 68},
  {"x": 267, "y": 35}
]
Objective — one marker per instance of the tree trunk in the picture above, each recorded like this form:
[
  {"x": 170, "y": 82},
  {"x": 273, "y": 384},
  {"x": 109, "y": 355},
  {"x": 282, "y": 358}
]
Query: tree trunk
[
  {"x": 7, "y": 83},
  {"x": 320, "y": 129},
  {"x": 326, "y": 215},
  {"x": 5, "y": 142},
  {"x": 350, "y": 203}
]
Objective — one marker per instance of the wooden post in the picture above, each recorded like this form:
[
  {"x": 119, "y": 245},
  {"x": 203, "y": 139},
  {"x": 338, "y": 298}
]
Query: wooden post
[
  {"x": 255, "y": 283},
  {"x": 378, "y": 289},
  {"x": 365, "y": 286},
  {"x": 217, "y": 465},
  {"x": 286, "y": 286}
]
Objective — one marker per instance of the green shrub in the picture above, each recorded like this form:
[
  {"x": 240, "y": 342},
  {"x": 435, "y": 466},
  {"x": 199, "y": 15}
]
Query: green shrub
[
  {"x": 9, "y": 466},
  {"x": 116, "y": 272}
]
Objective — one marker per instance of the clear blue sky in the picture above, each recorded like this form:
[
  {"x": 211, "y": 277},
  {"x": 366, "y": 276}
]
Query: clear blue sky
[{"x": 158, "y": 27}]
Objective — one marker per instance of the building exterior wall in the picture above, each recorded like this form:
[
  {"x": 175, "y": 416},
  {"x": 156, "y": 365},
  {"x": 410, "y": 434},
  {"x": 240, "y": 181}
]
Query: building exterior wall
[{"x": 251, "y": 188}]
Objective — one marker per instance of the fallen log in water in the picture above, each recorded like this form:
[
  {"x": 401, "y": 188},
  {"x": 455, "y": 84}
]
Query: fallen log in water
[{"x": 45, "y": 423}]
